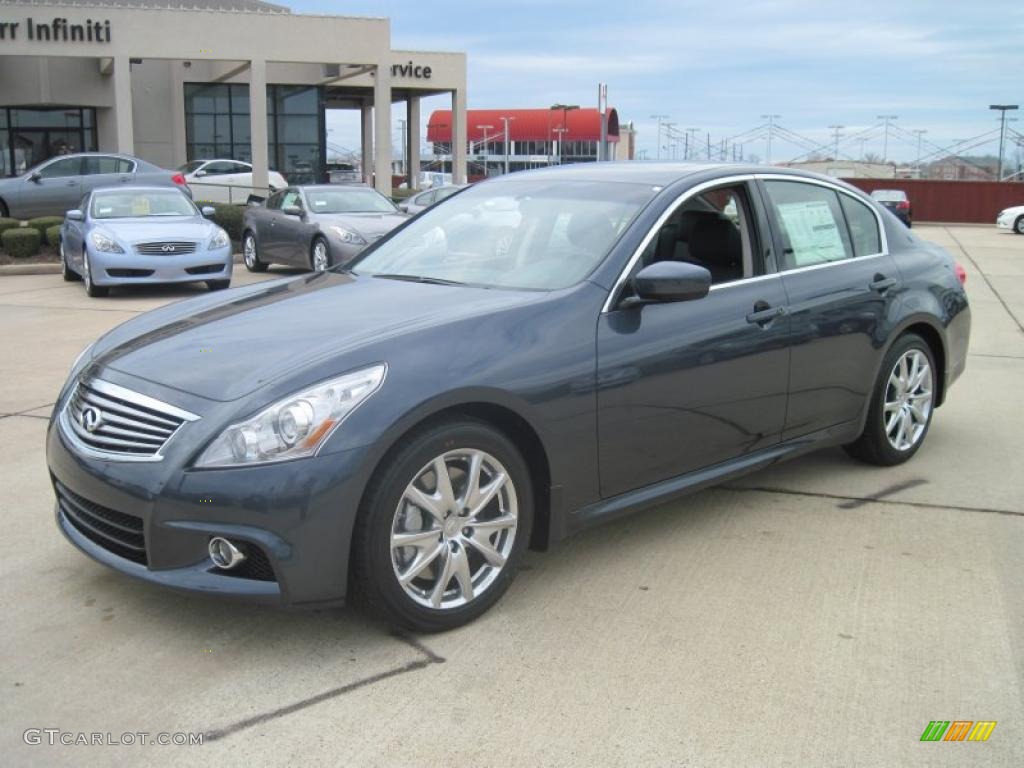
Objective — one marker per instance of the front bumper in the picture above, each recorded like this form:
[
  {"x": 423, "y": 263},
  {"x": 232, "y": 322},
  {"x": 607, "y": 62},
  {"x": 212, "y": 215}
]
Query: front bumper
[
  {"x": 295, "y": 517},
  {"x": 109, "y": 268},
  {"x": 1004, "y": 222}
]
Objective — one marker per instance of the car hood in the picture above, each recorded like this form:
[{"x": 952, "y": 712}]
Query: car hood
[
  {"x": 1014, "y": 210},
  {"x": 228, "y": 349},
  {"x": 369, "y": 225},
  {"x": 153, "y": 228}
]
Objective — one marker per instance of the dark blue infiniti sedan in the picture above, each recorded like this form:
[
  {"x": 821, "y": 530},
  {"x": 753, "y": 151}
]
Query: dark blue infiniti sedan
[{"x": 537, "y": 354}]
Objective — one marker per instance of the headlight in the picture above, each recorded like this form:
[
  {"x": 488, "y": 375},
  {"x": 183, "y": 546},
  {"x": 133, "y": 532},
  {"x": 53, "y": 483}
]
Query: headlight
[
  {"x": 104, "y": 243},
  {"x": 293, "y": 427},
  {"x": 348, "y": 236},
  {"x": 219, "y": 240}
]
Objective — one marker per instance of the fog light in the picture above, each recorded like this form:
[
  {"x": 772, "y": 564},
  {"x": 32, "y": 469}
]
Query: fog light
[{"x": 225, "y": 554}]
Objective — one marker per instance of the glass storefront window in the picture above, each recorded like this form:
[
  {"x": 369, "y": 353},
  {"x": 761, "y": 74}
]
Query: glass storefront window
[{"x": 29, "y": 136}]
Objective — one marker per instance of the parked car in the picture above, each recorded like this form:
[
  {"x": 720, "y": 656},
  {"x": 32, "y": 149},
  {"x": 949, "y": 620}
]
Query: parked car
[
  {"x": 315, "y": 226},
  {"x": 400, "y": 431},
  {"x": 57, "y": 184},
  {"x": 142, "y": 235},
  {"x": 895, "y": 200},
  {"x": 225, "y": 181},
  {"x": 423, "y": 200},
  {"x": 343, "y": 173},
  {"x": 1012, "y": 218}
]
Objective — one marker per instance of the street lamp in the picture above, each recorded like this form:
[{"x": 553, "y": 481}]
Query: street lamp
[
  {"x": 485, "y": 129},
  {"x": 506, "y": 120},
  {"x": 564, "y": 129},
  {"x": 1002, "y": 109}
]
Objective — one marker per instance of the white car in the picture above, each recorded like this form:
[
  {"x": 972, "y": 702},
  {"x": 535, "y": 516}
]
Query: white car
[
  {"x": 1012, "y": 219},
  {"x": 225, "y": 181}
]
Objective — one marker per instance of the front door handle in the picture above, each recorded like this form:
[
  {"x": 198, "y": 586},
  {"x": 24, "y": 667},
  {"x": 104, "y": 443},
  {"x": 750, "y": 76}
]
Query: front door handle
[
  {"x": 764, "y": 313},
  {"x": 881, "y": 283}
]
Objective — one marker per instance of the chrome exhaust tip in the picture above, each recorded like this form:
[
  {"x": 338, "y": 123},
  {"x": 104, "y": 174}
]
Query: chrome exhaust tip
[{"x": 224, "y": 554}]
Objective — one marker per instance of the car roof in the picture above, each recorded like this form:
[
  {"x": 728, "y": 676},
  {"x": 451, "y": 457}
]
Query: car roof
[{"x": 137, "y": 188}]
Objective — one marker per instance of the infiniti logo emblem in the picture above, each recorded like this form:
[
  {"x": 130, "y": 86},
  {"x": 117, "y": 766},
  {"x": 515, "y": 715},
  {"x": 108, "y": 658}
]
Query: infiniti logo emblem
[
  {"x": 167, "y": 248},
  {"x": 91, "y": 418}
]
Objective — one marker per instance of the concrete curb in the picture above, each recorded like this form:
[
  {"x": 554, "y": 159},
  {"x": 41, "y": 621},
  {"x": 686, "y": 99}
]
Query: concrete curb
[{"x": 29, "y": 269}]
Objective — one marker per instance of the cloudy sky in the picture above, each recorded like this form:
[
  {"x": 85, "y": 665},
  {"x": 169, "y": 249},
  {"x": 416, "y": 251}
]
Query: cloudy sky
[{"x": 719, "y": 66}]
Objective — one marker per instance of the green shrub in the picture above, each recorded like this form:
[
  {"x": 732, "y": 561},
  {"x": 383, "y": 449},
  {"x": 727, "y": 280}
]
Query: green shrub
[
  {"x": 22, "y": 242},
  {"x": 6, "y": 224},
  {"x": 229, "y": 217},
  {"x": 43, "y": 223},
  {"x": 53, "y": 235}
]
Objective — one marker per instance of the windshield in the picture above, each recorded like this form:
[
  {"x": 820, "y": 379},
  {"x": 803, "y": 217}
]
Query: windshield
[
  {"x": 189, "y": 167},
  {"x": 512, "y": 234},
  {"x": 889, "y": 195},
  {"x": 347, "y": 200},
  {"x": 136, "y": 204}
]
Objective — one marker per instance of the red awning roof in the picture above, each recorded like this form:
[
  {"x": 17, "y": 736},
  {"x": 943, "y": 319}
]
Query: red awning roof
[{"x": 529, "y": 124}]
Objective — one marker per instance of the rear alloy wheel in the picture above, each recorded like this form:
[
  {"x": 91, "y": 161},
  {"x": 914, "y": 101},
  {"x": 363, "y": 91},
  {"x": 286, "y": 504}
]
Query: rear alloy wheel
[
  {"x": 69, "y": 275},
  {"x": 1018, "y": 225},
  {"x": 250, "y": 255},
  {"x": 91, "y": 289},
  {"x": 444, "y": 528},
  {"x": 321, "y": 255},
  {"x": 902, "y": 405}
]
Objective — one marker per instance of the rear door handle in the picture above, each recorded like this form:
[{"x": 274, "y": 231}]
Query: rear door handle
[
  {"x": 763, "y": 313},
  {"x": 881, "y": 283}
]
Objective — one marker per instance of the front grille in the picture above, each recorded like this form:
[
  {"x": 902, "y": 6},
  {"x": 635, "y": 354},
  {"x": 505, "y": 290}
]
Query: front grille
[
  {"x": 168, "y": 248},
  {"x": 256, "y": 565},
  {"x": 118, "y": 422},
  {"x": 114, "y": 531}
]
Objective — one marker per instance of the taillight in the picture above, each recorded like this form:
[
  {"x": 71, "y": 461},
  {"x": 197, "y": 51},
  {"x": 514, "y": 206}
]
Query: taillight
[
  {"x": 178, "y": 179},
  {"x": 961, "y": 273},
  {"x": 903, "y": 205}
]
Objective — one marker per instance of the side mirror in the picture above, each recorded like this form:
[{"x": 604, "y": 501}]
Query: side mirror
[
  {"x": 666, "y": 281},
  {"x": 74, "y": 215},
  {"x": 209, "y": 211},
  {"x": 292, "y": 210},
  {"x": 199, "y": 174},
  {"x": 35, "y": 176}
]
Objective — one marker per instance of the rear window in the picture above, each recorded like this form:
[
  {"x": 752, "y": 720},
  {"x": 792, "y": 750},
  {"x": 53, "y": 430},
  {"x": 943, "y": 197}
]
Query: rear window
[{"x": 889, "y": 195}]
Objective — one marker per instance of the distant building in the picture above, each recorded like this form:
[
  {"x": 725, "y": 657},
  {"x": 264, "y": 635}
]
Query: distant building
[
  {"x": 846, "y": 169},
  {"x": 537, "y": 137},
  {"x": 956, "y": 168}
]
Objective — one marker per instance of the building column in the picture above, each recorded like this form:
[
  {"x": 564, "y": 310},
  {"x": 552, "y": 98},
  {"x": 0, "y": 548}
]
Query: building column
[
  {"x": 366, "y": 146},
  {"x": 124, "y": 133},
  {"x": 179, "y": 150},
  {"x": 459, "y": 135},
  {"x": 258, "y": 127},
  {"x": 382, "y": 129},
  {"x": 412, "y": 147}
]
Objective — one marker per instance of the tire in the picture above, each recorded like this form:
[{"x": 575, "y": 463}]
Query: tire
[
  {"x": 443, "y": 550},
  {"x": 250, "y": 253},
  {"x": 217, "y": 285},
  {"x": 1018, "y": 225},
  {"x": 69, "y": 275},
  {"x": 92, "y": 290},
  {"x": 884, "y": 440},
  {"x": 320, "y": 255}
]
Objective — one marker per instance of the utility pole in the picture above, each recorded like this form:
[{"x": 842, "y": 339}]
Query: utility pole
[
  {"x": 506, "y": 120},
  {"x": 920, "y": 132},
  {"x": 659, "y": 118},
  {"x": 1002, "y": 109},
  {"x": 485, "y": 129},
  {"x": 885, "y": 141},
  {"x": 835, "y": 138},
  {"x": 771, "y": 130},
  {"x": 668, "y": 140},
  {"x": 691, "y": 141}
]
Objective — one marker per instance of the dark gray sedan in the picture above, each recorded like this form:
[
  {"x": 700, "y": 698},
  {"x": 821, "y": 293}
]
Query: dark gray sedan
[
  {"x": 400, "y": 431},
  {"x": 59, "y": 184},
  {"x": 315, "y": 226}
]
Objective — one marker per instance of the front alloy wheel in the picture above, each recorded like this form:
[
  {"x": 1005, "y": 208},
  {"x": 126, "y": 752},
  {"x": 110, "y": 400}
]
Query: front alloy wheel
[
  {"x": 1018, "y": 226},
  {"x": 250, "y": 255},
  {"x": 443, "y": 526},
  {"x": 91, "y": 289},
  {"x": 321, "y": 255}
]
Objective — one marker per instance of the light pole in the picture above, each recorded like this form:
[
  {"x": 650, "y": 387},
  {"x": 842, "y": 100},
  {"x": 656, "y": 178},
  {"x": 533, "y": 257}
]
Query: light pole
[
  {"x": 564, "y": 129},
  {"x": 1002, "y": 109},
  {"x": 485, "y": 129},
  {"x": 885, "y": 141},
  {"x": 771, "y": 130},
  {"x": 835, "y": 137},
  {"x": 506, "y": 120},
  {"x": 659, "y": 118}
]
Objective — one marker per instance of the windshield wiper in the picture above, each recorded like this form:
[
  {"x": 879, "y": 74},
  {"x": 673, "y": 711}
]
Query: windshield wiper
[{"x": 418, "y": 279}]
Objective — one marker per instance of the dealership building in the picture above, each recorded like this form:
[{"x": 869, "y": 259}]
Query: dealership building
[{"x": 176, "y": 80}]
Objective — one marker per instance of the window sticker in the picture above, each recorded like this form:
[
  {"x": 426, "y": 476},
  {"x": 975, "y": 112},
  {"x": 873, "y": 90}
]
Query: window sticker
[
  {"x": 106, "y": 209},
  {"x": 140, "y": 206},
  {"x": 813, "y": 232},
  {"x": 319, "y": 203}
]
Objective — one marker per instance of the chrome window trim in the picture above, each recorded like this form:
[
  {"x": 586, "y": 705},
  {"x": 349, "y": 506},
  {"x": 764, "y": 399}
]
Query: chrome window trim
[
  {"x": 105, "y": 387},
  {"x": 704, "y": 186}
]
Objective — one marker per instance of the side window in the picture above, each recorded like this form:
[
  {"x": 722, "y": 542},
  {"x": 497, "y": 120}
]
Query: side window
[
  {"x": 445, "y": 193},
  {"x": 811, "y": 224},
  {"x": 274, "y": 201},
  {"x": 125, "y": 166},
  {"x": 291, "y": 198},
  {"x": 241, "y": 168},
  {"x": 69, "y": 166},
  {"x": 426, "y": 198},
  {"x": 95, "y": 164},
  {"x": 714, "y": 230},
  {"x": 863, "y": 227},
  {"x": 219, "y": 169}
]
